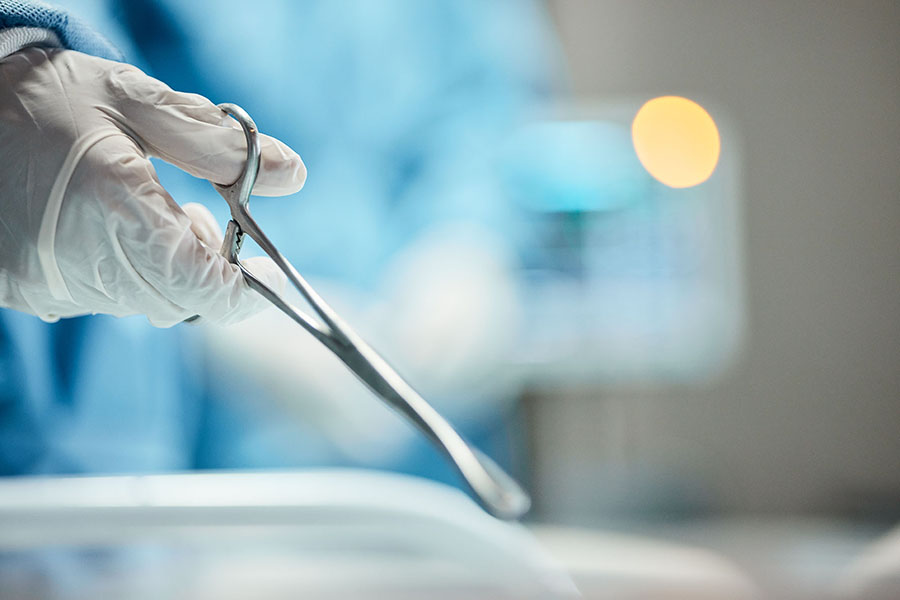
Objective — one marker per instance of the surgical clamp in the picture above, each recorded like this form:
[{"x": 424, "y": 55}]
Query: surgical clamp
[{"x": 496, "y": 491}]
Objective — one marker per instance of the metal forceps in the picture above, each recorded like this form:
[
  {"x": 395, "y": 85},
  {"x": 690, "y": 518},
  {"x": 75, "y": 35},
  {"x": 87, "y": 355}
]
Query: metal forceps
[{"x": 496, "y": 491}]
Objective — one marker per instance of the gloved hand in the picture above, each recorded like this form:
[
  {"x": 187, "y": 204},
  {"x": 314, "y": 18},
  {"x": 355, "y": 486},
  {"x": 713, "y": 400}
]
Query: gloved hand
[{"x": 85, "y": 226}]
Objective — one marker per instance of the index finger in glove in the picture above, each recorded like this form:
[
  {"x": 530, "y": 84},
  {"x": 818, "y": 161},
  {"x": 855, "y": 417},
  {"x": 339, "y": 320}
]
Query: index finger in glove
[{"x": 193, "y": 134}]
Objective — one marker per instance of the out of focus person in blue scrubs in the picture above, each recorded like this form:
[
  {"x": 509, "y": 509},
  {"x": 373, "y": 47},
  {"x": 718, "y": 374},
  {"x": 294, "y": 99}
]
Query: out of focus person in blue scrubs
[{"x": 398, "y": 109}]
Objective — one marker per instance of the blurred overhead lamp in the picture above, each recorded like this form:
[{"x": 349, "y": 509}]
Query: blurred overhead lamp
[{"x": 676, "y": 140}]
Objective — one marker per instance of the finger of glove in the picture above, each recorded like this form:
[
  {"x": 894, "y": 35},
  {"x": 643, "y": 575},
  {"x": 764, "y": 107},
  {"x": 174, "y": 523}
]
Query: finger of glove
[
  {"x": 192, "y": 133},
  {"x": 200, "y": 281},
  {"x": 207, "y": 230},
  {"x": 264, "y": 269},
  {"x": 177, "y": 274},
  {"x": 204, "y": 225}
]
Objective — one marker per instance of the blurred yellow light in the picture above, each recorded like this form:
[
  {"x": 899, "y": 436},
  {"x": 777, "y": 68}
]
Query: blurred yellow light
[{"x": 676, "y": 140}]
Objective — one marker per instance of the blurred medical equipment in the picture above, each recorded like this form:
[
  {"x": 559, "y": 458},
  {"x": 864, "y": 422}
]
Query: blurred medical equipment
[
  {"x": 627, "y": 279},
  {"x": 495, "y": 490},
  {"x": 316, "y": 534},
  {"x": 875, "y": 574},
  {"x": 320, "y": 534}
]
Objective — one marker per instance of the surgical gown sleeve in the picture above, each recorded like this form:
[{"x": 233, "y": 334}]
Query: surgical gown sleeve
[
  {"x": 67, "y": 31},
  {"x": 90, "y": 394}
]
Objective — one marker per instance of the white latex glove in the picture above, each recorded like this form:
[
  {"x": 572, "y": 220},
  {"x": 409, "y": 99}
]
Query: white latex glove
[{"x": 85, "y": 226}]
